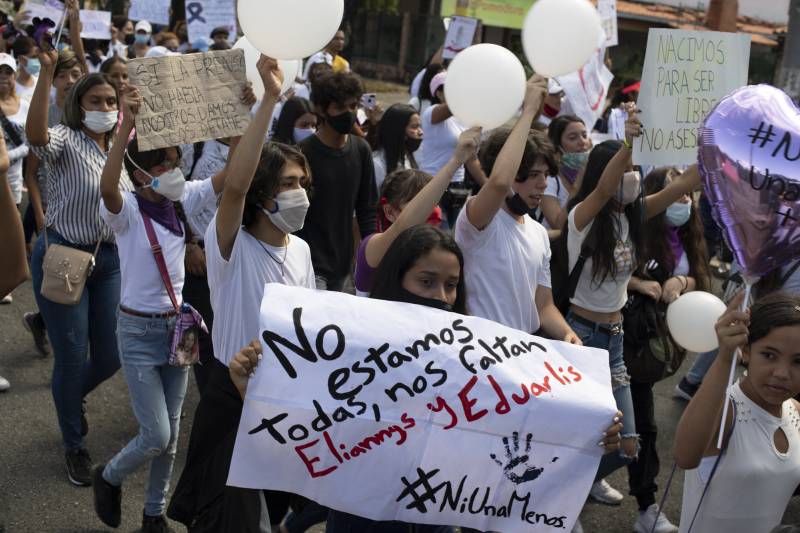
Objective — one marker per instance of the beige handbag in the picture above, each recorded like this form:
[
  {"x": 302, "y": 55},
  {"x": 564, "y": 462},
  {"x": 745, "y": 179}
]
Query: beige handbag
[{"x": 65, "y": 272}]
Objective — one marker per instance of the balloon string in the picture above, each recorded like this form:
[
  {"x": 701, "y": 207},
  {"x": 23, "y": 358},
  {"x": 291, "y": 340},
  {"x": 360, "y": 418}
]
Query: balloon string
[
  {"x": 61, "y": 26},
  {"x": 745, "y": 303}
]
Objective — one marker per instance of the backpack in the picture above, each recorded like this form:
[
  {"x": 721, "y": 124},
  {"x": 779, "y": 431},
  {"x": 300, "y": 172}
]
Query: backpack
[{"x": 564, "y": 281}]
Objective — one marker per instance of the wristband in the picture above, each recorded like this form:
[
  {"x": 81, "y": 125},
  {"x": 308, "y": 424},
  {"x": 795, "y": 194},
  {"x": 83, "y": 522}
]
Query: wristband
[{"x": 626, "y": 144}]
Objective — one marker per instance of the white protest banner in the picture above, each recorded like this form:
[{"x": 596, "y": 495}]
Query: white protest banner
[
  {"x": 395, "y": 411},
  {"x": 608, "y": 18},
  {"x": 95, "y": 24},
  {"x": 685, "y": 74},
  {"x": 189, "y": 98},
  {"x": 51, "y": 9},
  {"x": 587, "y": 89},
  {"x": 202, "y": 16},
  {"x": 153, "y": 11},
  {"x": 460, "y": 35}
]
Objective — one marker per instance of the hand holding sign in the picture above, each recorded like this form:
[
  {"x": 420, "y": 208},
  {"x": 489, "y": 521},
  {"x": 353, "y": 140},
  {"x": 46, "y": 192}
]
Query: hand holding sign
[
  {"x": 633, "y": 126},
  {"x": 243, "y": 365},
  {"x": 131, "y": 103}
]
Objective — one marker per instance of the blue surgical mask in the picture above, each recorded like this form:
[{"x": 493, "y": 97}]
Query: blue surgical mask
[
  {"x": 301, "y": 134},
  {"x": 678, "y": 214},
  {"x": 142, "y": 38},
  {"x": 33, "y": 66}
]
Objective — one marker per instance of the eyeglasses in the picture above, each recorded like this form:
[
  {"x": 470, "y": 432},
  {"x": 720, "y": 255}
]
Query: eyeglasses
[{"x": 169, "y": 165}]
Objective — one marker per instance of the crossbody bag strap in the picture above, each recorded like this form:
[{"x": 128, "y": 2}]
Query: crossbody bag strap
[
  {"x": 587, "y": 250},
  {"x": 790, "y": 272},
  {"x": 159, "y": 257},
  {"x": 94, "y": 254}
]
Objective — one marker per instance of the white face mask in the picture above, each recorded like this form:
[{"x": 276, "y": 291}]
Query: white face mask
[
  {"x": 678, "y": 214},
  {"x": 170, "y": 184},
  {"x": 629, "y": 188},
  {"x": 99, "y": 121},
  {"x": 301, "y": 134},
  {"x": 290, "y": 210}
]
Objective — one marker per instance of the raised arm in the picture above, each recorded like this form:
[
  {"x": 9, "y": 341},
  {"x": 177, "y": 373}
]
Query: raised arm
[
  {"x": 420, "y": 207},
  {"x": 248, "y": 152},
  {"x": 34, "y": 194},
  {"x": 608, "y": 185},
  {"x": 660, "y": 201},
  {"x": 218, "y": 180},
  {"x": 36, "y": 124},
  {"x": 482, "y": 209},
  {"x": 440, "y": 113},
  {"x": 109, "y": 180},
  {"x": 699, "y": 424},
  {"x": 74, "y": 14},
  {"x": 13, "y": 263}
]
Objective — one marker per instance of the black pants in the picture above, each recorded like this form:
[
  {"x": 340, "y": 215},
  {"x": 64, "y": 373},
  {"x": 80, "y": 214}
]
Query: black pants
[
  {"x": 642, "y": 472},
  {"x": 198, "y": 295}
]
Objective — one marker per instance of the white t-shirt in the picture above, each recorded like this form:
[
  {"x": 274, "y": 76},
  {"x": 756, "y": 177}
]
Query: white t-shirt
[
  {"x": 557, "y": 190},
  {"x": 16, "y": 155},
  {"x": 609, "y": 295},
  {"x": 379, "y": 163},
  {"x": 438, "y": 144},
  {"x": 26, "y": 93},
  {"x": 142, "y": 286},
  {"x": 503, "y": 265},
  {"x": 237, "y": 285},
  {"x": 215, "y": 155}
]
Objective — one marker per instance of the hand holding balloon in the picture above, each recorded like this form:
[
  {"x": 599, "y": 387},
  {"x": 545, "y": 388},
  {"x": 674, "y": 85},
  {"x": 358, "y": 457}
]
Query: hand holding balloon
[
  {"x": 732, "y": 328},
  {"x": 271, "y": 76},
  {"x": 535, "y": 92},
  {"x": 467, "y": 146}
]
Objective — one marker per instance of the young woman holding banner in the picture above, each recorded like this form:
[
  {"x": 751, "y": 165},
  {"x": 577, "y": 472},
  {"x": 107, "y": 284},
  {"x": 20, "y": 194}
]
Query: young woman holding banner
[{"x": 248, "y": 243}]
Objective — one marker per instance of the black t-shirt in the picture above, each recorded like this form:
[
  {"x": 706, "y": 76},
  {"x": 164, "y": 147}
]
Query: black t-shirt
[{"x": 343, "y": 181}]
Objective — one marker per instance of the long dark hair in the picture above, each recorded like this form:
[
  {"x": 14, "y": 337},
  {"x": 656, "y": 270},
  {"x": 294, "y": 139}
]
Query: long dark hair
[
  {"x": 266, "y": 180},
  {"x": 293, "y": 109},
  {"x": 605, "y": 225},
  {"x": 776, "y": 310},
  {"x": 407, "y": 248},
  {"x": 397, "y": 189},
  {"x": 392, "y": 136},
  {"x": 556, "y": 129},
  {"x": 657, "y": 248},
  {"x": 424, "y": 92}
]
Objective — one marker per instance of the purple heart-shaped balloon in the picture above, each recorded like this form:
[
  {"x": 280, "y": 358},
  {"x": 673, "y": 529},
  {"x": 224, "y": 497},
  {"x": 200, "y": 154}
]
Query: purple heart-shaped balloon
[{"x": 749, "y": 158}]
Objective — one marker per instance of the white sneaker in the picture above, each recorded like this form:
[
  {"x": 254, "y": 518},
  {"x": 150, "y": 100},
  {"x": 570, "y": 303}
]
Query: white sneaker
[
  {"x": 4, "y": 384},
  {"x": 644, "y": 524},
  {"x": 7, "y": 299},
  {"x": 604, "y": 493},
  {"x": 577, "y": 528}
]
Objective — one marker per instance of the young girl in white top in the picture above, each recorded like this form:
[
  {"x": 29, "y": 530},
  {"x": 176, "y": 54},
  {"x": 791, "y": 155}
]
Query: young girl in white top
[
  {"x": 399, "y": 136},
  {"x": 760, "y": 468}
]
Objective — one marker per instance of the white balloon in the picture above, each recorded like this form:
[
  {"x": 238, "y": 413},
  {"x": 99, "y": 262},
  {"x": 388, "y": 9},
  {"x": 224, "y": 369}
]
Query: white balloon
[
  {"x": 485, "y": 86},
  {"x": 560, "y": 36},
  {"x": 290, "y": 68},
  {"x": 691, "y": 319},
  {"x": 290, "y": 29}
]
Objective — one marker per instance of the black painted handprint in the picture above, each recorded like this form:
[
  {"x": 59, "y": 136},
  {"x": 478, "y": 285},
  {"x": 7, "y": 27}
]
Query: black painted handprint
[{"x": 517, "y": 469}]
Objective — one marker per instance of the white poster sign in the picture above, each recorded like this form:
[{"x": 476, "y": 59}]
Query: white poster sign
[
  {"x": 153, "y": 11},
  {"x": 394, "y": 411},
  {"x": 608, "y": 17},
  {"x": 202, "y": 16},
  {"x": 52, "y": 9},
  {"x": 96, "y": 24},
  {"x": 685, "y": 74},
  {"x": 587, "y": 89},
  {"x": 460, "y": 35}
]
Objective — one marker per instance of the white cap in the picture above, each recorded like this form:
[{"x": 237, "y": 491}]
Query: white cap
[
  {"x": 144, "y": 26},
  {"x": 8, "y": 60},
  {"x": 160, "y": 51}
]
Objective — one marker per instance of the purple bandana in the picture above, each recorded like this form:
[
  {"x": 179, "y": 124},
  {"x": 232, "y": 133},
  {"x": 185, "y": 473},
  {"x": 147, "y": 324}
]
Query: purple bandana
[{"x": 162, "y": 212}]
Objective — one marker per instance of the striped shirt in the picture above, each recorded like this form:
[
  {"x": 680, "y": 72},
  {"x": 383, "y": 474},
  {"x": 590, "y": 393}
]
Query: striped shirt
[{"x": 75, "y": 164}]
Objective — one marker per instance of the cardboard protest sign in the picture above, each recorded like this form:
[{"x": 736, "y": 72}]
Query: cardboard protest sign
[
  {"x": 395, "y": 411},
  {"x": 202, "y": 16},
  {"x": 608, "y": 18},
  {"x": 153, "y": 11},
  {"x": 460, "y": 35},
  {"x": 189, "y": 98},
  {"x": 51, "y": 9},
  {"x": 587, "y": 89},
  {"x": 95, "y": 24},
  {"x": 685, "y": 74}
]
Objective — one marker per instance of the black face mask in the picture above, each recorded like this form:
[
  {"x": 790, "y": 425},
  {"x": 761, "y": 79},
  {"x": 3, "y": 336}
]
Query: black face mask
[
  {"x": 129, "y": 38},
  {"x": 342, "y": 123},
  {"x": 517, "y": 205},
  {"x": 411, "y": 298},
  {"x": 412, "y": 145}
]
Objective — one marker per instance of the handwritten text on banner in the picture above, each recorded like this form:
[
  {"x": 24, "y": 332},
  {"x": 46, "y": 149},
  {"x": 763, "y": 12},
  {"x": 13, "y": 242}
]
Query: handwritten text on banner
[
  {"x": 189, "y": 98},
  {"x": 685, "y": 74},
  {"x": 395, "y": 411}
]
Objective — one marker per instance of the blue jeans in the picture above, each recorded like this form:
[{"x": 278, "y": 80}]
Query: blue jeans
[
  {"x": 83, "y": 336},
  {"x": 598, "y": 336},
  {"x": 157, "y": 391},
  {"x": 700, "y": 367}
]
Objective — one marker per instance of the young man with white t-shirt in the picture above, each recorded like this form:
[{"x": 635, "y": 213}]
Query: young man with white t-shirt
[
  {"x": 506, "y": 252},
  {"x": 248, "y": 243}
]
